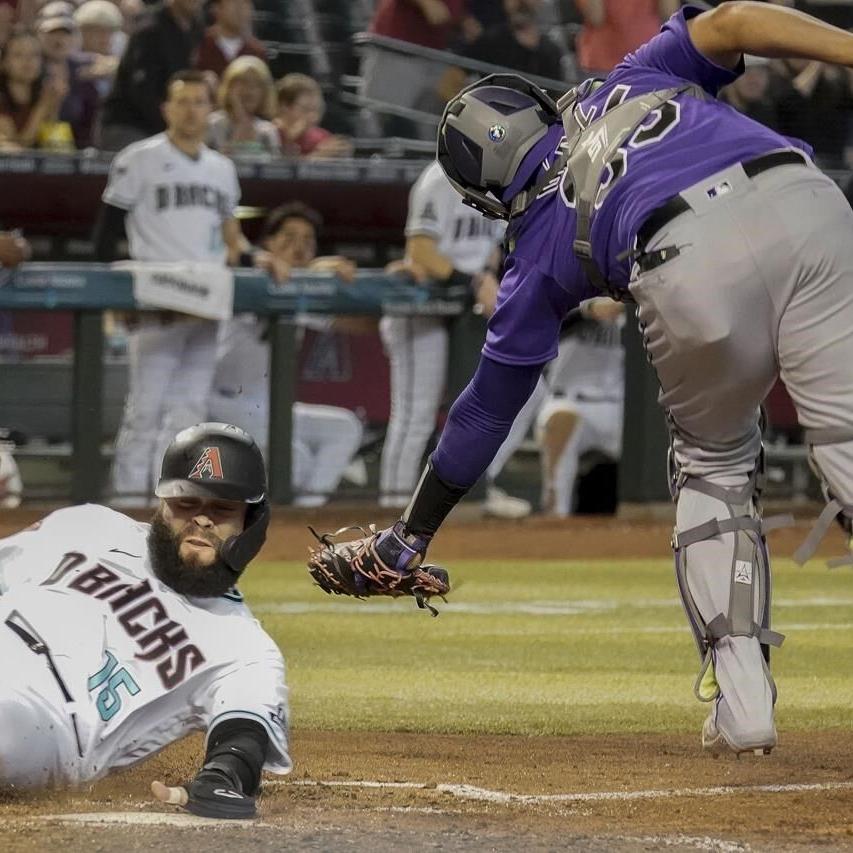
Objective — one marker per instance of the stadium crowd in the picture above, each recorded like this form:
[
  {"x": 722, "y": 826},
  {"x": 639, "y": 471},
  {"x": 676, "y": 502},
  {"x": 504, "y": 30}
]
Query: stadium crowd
[{"x": 77, "y": 75}]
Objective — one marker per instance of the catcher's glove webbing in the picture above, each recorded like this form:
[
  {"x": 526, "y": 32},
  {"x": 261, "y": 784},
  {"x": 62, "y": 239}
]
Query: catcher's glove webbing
[{"x": 356, "y": 568}]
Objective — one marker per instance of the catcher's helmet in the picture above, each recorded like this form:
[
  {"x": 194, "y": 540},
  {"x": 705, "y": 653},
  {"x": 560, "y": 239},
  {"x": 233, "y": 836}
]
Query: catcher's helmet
[
  {"x": 213, "y": 460},
  {"x": 485, "y": 133}
]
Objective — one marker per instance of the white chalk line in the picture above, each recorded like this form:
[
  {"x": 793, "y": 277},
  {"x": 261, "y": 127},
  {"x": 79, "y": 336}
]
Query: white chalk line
[
  {"x": 714, "y": 845},
  {"x": 471, "y": 792},
  {"x": 179, "y": 820},
  {"x": 568, "y": 607},
  {"x": 146, "y": 819}
]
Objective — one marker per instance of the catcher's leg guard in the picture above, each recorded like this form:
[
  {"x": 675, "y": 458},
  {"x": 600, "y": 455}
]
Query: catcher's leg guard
[
  {"x": 723, "y": 572},
  {"x": 831, "y": 459}
]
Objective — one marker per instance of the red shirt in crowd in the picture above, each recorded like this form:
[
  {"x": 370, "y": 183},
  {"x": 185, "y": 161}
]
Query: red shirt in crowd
[
  {"x": 403, "y": 19},
  {"x": 211, "y": 58},
  {"x": 627, "y": 25},
  {"x": 304, "y": 144}
]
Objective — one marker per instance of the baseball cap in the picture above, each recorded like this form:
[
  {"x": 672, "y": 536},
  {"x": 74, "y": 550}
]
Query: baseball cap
[
  {"x": 60, "y": 22},
  {"x": 99, "y": 13}
]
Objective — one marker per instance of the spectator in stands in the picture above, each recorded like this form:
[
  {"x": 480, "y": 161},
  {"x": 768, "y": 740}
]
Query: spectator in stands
[
  {"x": 815, "y": 106},
  {"x": 230, "y": 36},
  {"x": 163, "y": 45},
  {"x": 58, "y": 35},
  {"x": 247, "y": 100},
  {"x": 754, "y": 94},
  {"x": 300, "y": 111},
  {"x": 518, "y": 43},
  {"x": 836, "y": 12},
  {"x": 402, "y": 80},
  {"x": 613, "y": 28},
  {"x": 30, "y": 99},
  {"x": 7, "y": 21},
  {"x": 482, "y": 15},
  {"x": 14, "y": 249},
  {"x": 99, "y": 23},
  {"x": 429, "y": 23}
]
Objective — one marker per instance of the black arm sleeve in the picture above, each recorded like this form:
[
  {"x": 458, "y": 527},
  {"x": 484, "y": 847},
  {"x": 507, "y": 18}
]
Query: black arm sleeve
[
  {"x": 109, "y": 229},
  {"x": 238, "y": 748}
]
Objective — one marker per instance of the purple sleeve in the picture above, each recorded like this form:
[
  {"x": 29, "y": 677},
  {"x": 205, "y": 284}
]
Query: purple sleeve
[
  {"x": 481, "y": 419},
  {"x": 672, "y": 51},
  {"x": 531, "y": 307}
]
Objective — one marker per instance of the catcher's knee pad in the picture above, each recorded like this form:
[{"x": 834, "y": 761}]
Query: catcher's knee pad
[
  {"x": 723, "y": 571},
  {"x": 832, "y": 469}
]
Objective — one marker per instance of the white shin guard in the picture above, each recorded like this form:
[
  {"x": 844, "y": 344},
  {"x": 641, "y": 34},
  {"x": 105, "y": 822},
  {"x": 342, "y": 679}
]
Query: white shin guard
[{"x": 723, "y": 572}]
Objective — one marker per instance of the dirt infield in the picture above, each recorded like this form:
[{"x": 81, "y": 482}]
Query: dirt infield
[
  {"x": 630, "y": 793},
  {"x": 453, "y": 793},
  {"x": 467, "y": 536}
]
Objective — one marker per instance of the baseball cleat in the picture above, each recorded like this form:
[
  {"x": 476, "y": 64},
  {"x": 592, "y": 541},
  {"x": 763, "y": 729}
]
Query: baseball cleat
[
  {"x": 499, "y": 504},
  {"x": 714, "y": 742}
]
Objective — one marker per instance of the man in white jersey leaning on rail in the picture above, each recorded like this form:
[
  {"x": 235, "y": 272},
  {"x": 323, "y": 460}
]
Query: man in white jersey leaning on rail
[
  {"x": 118, "y": 638},
  {"x": 448, "y": 242},
  {"x": 175, "y": 197}
]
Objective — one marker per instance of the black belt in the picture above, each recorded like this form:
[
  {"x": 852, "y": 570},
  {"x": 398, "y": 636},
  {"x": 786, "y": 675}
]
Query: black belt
[
  {"x": 37, "y": 645},
  {"x": 675, "y": 206}
]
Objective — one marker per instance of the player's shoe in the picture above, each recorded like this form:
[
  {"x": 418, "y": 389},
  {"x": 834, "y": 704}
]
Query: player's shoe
[
  {"x": 714, "y": 742},
  {"x": 499, "y": 504},
  {"x": 310, "y": 501},
  {"x": 10, "y": 478}
]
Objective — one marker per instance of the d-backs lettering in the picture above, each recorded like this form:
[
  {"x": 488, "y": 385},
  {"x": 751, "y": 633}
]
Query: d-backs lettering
[
  {"x": 191, "y": 195},
  {"x": 143, "y": 616}
]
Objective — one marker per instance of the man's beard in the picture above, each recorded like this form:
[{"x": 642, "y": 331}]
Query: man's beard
[{"x": 187, "y": 577}]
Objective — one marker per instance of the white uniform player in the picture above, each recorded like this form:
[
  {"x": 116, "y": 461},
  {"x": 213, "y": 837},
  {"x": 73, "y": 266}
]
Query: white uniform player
[
  {"x": 585, "y": 407},
  {"x": 443, "y": 236},
  {"x": 325, "y": 438},
  {"x": 119, "y": 637},
  {"x": 143, "y": 665},
  {"x": 177, "y": 199}
]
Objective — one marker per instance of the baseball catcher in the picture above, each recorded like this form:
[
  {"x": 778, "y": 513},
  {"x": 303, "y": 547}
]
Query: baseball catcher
[
  {"x": 356, "y": 568},
  {"x": 738, "y": 254}
]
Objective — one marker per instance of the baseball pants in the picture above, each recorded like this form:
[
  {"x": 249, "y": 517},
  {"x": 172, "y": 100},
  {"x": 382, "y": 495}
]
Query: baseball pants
[
  {"x": 763, "y": 285},
  {"x": 38, "y": 744},
  {"x": 171, "y": 368}
]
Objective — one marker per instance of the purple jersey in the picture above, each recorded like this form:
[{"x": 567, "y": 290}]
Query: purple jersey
[{"x": 683, "y": 142}]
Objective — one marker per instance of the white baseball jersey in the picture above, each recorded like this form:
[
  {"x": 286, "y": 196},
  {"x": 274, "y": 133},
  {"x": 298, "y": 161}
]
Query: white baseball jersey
[
  {"x": 464, "y": 235},
  {"x": 590, "y": 364},
  {"x": 417, "y": 347},
  {"x": 175, "y": 203},
  {"x": 144, "y": 665}
]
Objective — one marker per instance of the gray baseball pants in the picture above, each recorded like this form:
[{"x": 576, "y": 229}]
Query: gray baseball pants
[{"x": 763, "y": 286}]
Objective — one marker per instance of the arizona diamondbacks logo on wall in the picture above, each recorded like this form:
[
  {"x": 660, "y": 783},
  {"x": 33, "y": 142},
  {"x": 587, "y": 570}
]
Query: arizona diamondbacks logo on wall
[{"x": 208, "y": 466}]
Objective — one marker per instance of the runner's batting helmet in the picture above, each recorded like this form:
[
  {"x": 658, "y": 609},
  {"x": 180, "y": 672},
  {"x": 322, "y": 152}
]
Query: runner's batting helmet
[
  {"x": 221, "y": 461},
  {"x": 213, "y": 461}
]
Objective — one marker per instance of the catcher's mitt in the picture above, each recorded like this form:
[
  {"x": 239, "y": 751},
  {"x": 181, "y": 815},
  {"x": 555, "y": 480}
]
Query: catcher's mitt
[{"x": 355, "y": 568}]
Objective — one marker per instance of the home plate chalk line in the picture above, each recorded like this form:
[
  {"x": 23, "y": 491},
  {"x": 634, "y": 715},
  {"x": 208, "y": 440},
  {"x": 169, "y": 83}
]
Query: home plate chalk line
[
  {"x": 471, "y": 792},
  {"x": 714, "y": 845}
]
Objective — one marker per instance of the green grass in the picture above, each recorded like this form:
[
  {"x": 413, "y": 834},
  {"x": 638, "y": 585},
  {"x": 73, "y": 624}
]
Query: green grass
[{"x": 614, "y": 653}]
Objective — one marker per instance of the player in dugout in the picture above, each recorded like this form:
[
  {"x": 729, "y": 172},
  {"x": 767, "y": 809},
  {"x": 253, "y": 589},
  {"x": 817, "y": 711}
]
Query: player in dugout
[{"x": 119, "y": 638}]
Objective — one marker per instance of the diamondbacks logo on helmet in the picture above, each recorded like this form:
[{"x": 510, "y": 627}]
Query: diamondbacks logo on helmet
[{"x": 208, "y": 466}]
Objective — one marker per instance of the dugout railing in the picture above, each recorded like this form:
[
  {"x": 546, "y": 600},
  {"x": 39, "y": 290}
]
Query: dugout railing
[{"x": 88, "y": 290}]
